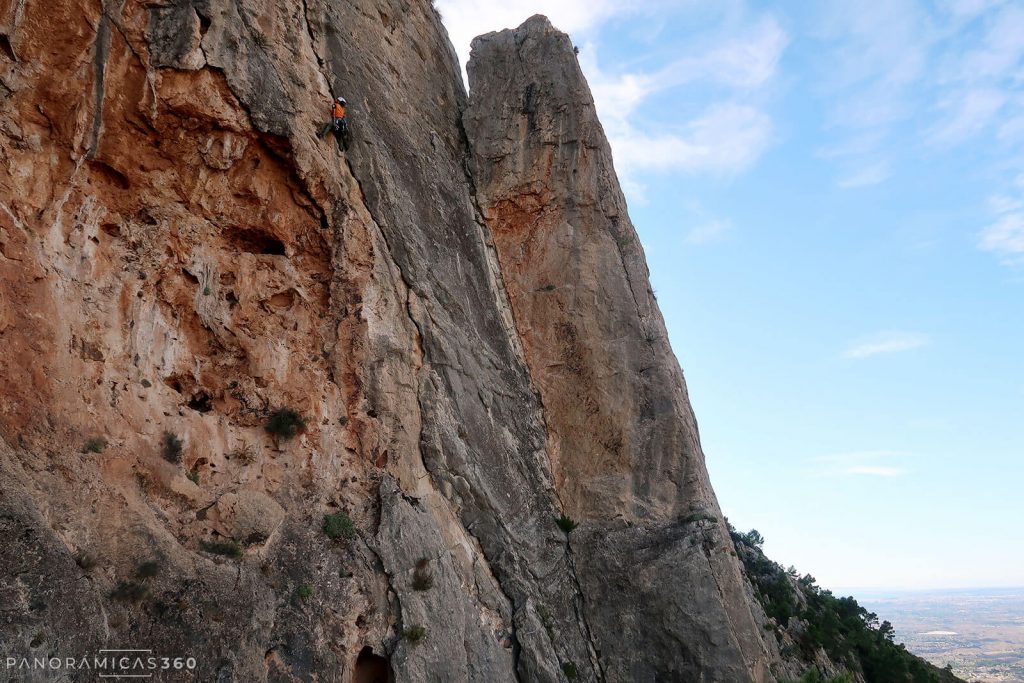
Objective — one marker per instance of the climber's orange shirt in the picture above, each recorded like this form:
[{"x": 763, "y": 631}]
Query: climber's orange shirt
[{"x": 339, "y": 111}]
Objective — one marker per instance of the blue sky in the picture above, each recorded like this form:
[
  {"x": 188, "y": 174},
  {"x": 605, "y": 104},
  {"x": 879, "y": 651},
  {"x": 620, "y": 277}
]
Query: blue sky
[{"x": 831, "y": 198}]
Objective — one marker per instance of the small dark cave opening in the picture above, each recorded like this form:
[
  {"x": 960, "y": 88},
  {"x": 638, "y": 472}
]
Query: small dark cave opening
[
  {"x": 254, "y": 241},
  {"x": 372, "y": 668},
  {"x": 201, "y": 402}
]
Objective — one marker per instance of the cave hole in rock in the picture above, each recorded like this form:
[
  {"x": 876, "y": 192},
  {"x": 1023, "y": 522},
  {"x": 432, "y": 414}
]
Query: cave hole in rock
[
  {"x": 204, "y": 23},
  {"x": 282, "y": 300},
  {"x": 201, "y": 402},
  {"x": 254, "y": 241},
  {"x": 372, "y": 668},
  {"x": 174, "y": 382},
  {"x": 145, "y": 217},
  {"x": 190, "y": 277},
  {"x": 6, "y": 49},
  {"x": 106, "y": 173}
]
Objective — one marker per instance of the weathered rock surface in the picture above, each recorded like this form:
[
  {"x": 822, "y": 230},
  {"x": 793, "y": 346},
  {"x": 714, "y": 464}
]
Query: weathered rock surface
[
  {"x": 458, "y": 307},
  {"x": 624, "y": 447}
]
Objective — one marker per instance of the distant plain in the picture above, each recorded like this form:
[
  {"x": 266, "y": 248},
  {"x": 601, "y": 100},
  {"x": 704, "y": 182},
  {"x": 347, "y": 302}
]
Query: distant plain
[{"x": 980, "y": 632}]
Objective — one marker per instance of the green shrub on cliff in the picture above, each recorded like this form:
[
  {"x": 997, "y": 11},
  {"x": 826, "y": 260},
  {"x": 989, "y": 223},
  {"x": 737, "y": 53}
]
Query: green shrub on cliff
[
  {"x": 813, "y": 676},
  {"x": 171, "y": 447},
  {"x": 566, "y": 524},
  {"x": 95, "y": 445},
  {"x": 415, "y": 634},
  {"x": 285, "y": 424},
  {"x": 226, "y": 548},
  {"x": 339, "y": 526},
  {"x": 847, "y": 632}
]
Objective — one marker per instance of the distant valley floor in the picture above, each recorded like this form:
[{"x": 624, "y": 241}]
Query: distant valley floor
[{"x": 979, "y": 632}]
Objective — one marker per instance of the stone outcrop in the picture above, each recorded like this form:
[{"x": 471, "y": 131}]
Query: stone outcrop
[
  {"x": 622, "y": 439},
  {"x": 458, "y": 308}
]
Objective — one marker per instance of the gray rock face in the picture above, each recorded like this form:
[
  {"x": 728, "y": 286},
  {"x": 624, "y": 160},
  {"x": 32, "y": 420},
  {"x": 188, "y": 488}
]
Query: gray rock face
[
  {"x": 626, "y": 455},
  {"x": 458, "y": 307}
]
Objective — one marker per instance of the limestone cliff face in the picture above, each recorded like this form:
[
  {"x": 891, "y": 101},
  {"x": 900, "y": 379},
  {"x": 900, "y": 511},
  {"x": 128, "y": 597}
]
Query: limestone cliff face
[
  {"x": 458, "y": 307},
  {"x": 623, "y": 443}
]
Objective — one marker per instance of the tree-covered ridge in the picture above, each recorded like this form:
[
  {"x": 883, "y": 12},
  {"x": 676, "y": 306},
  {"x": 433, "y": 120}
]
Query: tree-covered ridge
[{"x": 816, "y": 620}]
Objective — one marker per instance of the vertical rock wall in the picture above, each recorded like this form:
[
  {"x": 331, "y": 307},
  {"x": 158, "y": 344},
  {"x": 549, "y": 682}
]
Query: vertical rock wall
[
  {"x": 626, "y": 457},
  {"x": 180, "y": 252}
]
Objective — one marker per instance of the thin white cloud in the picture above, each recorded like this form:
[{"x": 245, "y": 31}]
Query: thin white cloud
[
  {"x": 873, "y": 43},
  {"x": 875, "y": 471},
  {"x": 971, "y": 112},
  {"x": 870, "y": 175},
  {"x": 748, "y": 60},
  {"x": 856, "y": 457},
  {"x": 872, "y": 56},
  {"x": 1000, "y": 204},
  {"x": 886, "y": 342},
  {"x": 1011, "y": 130},
  {"x": 1005, "y": 235},
  {"x": 725, "y": 138},
  {"x": 969, "y": 9},
  {"x": 900, "y": 73},
  {"x": 1001, "y": 48},
  {"x": 876, "y": 463},
  {"x": 706, "y": 233}
]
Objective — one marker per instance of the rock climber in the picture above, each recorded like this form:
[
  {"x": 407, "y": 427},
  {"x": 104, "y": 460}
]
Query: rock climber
[{"x": 340, "y": 123}]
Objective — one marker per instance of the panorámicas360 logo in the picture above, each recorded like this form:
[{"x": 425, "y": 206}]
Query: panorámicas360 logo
[{"x": 105, "y": 663}]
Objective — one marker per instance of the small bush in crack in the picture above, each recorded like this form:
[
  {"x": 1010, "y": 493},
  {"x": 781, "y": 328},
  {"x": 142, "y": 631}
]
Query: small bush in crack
[
  {"x": 129, "y": 591},
  {"x": 566, "y": 524},
  {"x": 244, "y": 454},
  {"x": 569, "y": 669},
  {"x": 193, "y": 476},
  {"x": 699, "y": 516},
  {"x": 147, "y": 570},
  {"x": 95, "y": 445},
  {"x": 422, "y": 576},
  {"x": 284, "y": 424},
  {"x": 305, "y": 591},
  {"x": 171, "y": 447},
  {"x": 415, "y": 634},
  {"x": 339, "y": 526},
  {"x": 226, "y": 548}
]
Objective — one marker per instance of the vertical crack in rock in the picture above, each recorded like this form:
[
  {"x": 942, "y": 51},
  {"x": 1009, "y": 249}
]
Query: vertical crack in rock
[
  {"x": 312, "y": 43},
  {"x": 581, "y": 613},
  {"x": 101, "y": 50},
  {"x": 409, "y": 292}
]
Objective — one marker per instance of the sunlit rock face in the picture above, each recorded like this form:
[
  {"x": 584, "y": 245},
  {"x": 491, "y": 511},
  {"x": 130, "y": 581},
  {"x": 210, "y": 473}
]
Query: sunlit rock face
[
  {"x": 458, "y": 310},
  {"x": 622, "y": 440}
]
